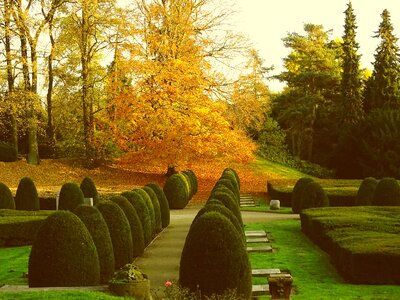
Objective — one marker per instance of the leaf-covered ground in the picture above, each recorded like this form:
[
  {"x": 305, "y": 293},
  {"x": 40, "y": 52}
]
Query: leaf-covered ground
[{"x": 119, "y": 176}]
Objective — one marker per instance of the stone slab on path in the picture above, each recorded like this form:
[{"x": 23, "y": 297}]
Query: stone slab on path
[
  {"x": 264, "y": 272},
  {"x": 252, "y": 240},
  {"x": 255, "y": 233},
  {"x": 260, "y": 290},
  {"x": 259, "y": 249}
]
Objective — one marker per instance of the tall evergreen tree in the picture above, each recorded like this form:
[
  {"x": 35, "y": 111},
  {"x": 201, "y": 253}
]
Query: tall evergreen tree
[
  {"x": 382, "y": 89},
  {"x": 351, "y": 108}
]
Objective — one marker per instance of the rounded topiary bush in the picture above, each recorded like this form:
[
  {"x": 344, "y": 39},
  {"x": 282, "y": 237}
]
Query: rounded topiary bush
[
  {"x": 297, "y": 191},
  {"x": 26, "y": 197},
  {"x": 120, "y": 232},
  {"x": 70, "y": 196},
  {"x": 193, "y": 180},
  {"x": 63, "y": 253},
  {"x": 366, "y": 191},
  {"x": 230, "y": 185},
  {"x": 187, "y": 184},
  {"x": 89, "y": 189},
  {"x": 223, "y": 188},
  {"x": 313, "y": 195},
  {"x": 234, "y": 173},
  {"x": 163, "y": 202},
  {"x": 150, "y": 206},
  {"x": 156, "y": 207},
  {"x": 97, "y": 227},
  {"x": 143, "y": 213},
  {"x": 176, "y": 192},
  {"x": 7, "y": 152},
  {"x": 134, "y": 222},
  {"x": 230, "y": 203},
  {"x": 219, "y": 264},
  {"x": 218, "y": 206},
  {"x": 6, "y": 197},
  {"x": 387, "y": 193}
]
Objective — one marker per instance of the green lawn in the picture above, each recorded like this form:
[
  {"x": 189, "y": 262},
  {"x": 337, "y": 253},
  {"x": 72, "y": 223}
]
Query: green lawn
[
  {"x": 313, "y": 275},
  {"x": 262, "y": 165}
]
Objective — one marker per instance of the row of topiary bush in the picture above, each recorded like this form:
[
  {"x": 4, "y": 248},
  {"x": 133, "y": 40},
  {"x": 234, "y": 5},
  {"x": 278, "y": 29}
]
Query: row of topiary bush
[
  {"x": 214, "y": 258},
  {"x": 98, "y": 239},
  {"x": 384, "y": 192},
  {"x": 179, "y": 189}
]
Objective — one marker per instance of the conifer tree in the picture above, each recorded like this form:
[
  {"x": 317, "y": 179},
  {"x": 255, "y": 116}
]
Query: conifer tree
[
  {"x": 382, "y": 89},
  {"x": 351, "y": 84}
]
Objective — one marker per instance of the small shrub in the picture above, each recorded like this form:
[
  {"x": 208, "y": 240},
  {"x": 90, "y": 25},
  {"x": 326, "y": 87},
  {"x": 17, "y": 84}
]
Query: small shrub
[
  {"x": 150, "y": 206},
  {"x": 232, "y": 171},
  {"x": 156, "y": 206},
  {"x": 297, "y": 191},
  {"x": 176, "y": 192},
  {"x": 120, "y": 232},
  {"x": 193, "y": 180},
  {"x": 186, "y": 177},
  {"x": 210, "y": 268},
  {"x": 26, "y": 197},
  {"x": 232, "y": 185},
  {"x": 97, "y": 227},
  {"x": 70, "y": 196},
  {"x": 89, "y": 189},
  {"x": 229, "y": 174},
  {"x": 164, "y": 206},
  {"x": 142, "y": 210},
  {"x": 223, "y": 188},
  {"x": 313, "y": 195},
  {"x": 387, "y": 193},
  {"x": 134, "y": 222},
  {"x": 187, "y": 184},
  {"x": 7, "y": 152},
  {"x": 366, "y": 191},
  {"x": 6, "y": 197},
  {"x": 230, "y": 203},
  {"x": 63, "y": 253}
]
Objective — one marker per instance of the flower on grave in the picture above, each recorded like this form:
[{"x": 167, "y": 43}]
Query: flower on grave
[{"x": 168, "y": 284}]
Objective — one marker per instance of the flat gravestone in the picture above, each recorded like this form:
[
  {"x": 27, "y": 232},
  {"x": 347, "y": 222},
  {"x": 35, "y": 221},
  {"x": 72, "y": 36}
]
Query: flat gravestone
[
  {"x": 260, "y": 290},
  {"x": 259, "y": 249},
  {"x": 257, "y": 240},
  {"x": 255, "y": 233},
  {"x": 264, "y": 272},
  {"x": 247, "y": 205}
]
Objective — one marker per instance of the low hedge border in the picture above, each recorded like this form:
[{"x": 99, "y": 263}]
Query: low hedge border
[{"x": 362, "y": 241}]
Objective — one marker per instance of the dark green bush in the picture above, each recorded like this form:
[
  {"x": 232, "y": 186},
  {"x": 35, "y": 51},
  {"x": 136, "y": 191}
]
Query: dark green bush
[
  {"x": 164, "y": 206},
  {"x": 97, "y": 227},
  {"x": 186, "y": 182},
  {"x": 7, "y": 152},
  {"x": 193, "y": 180},
  {"x": 6, "y": 197},
  {"x": 176, "y": 192},
  {"x": 229, "y": 174},
  {"x": 387, "y": 193},
  {"x": 63, "y": 253},
  {"x": 156, "y": 207},
  {"x": 134, "y": 222},
  {"x": 223, "y": 188},
  {"x": 218, "y": 206},
  {"x": 26, "y": 197},
  {"x": 230, "y": 203},
  {"x": 189, "y": 184},
  {"x": 313, "y": 195},
  {"x": 70, "y": 196},
  {"x": 143, "y": 213},
  {"x": 231, "y": 185},
  {"x": 120, "y": 232},
  {"x": 366, "y": 191},
  {"x": 150, "y": 206},
  {"x": 214, "y": 258},
  {"x": 232, "y": 171},
  {"x": 89, "y": 189},
  {"x": 297, "y": 191}
]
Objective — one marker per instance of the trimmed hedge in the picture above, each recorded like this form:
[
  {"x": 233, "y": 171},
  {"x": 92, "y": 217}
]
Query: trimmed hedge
[
  {"x": 89, "y": 189},
  {"x": 26, "y": 197},
  {"x": 230, "y": 203},
  {"x": 150, "y": 206},
  {"x": 193, "y": 180},
  {"x": 387, "y": 193},
  {"x": 6, "y": 197},
  {"x": 7, "y": 152},
  {"x": 362, "y": 241},
  {"x": 143, "y": 213},
  {"x": 70, "y": 196},
  {"x": 232, "y": 171},
  {"x": 175, "y": 190},
  {"x": 219, "y": 264},
  {"x": 164, "y": 206},
  {"x": 97, "y": 227},
  {"x": 120, "y": 232},
  {"x": 63, "y": 253},
  {"x": 366, "y": 191},
  {"x": 297, "y": 191},
  {"x": 313, "y": 195},
  {"x": 156, "y": 207},
  {"x": 232, "y": 185},
  {"x": 134, "y": 222},
  {"x": 224, "y": 189}
]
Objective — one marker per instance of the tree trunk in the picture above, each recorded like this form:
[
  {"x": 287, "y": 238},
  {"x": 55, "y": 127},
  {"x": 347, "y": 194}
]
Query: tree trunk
[
  {"x": 171, "y": 170},
  {"x": 50, "y": 127}
]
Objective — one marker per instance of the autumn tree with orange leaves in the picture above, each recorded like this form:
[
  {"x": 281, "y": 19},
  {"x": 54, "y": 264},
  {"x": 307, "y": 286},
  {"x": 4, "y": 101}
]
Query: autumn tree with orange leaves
[{"x": 169, "y": 111}]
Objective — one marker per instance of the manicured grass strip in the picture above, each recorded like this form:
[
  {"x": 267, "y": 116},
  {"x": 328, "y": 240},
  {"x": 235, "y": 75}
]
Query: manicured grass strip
[
  {"x": 262, "y": 165},
  {"x": 50, "y": 295},
  {"x": 263, "y": 206},
  {"x": 313, "y": 275},
  {"x": 14, "y": 262}
]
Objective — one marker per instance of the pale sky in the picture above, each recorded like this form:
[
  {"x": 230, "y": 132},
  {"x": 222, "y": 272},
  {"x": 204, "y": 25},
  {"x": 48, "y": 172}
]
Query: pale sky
[{"x": 266, "y": 22}]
